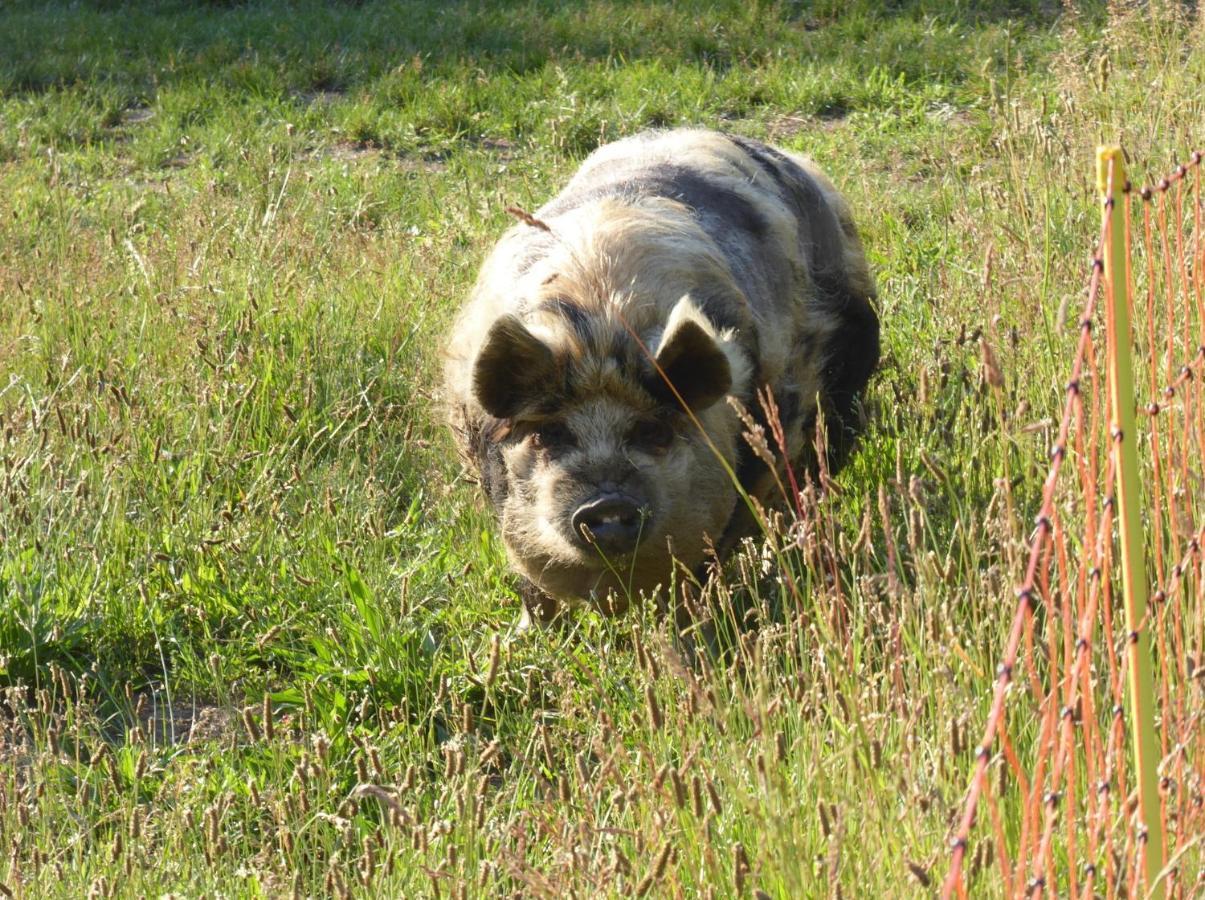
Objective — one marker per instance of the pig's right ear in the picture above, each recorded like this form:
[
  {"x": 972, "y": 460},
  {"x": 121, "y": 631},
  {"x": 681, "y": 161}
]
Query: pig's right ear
[{"x": 513, "y": 368}]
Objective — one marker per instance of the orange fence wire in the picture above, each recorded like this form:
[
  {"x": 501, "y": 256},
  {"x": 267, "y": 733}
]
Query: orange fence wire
[{"x": 1062, "y": 810}]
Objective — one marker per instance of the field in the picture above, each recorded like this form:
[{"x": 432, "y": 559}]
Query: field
[{"x": 256, "y": 629}]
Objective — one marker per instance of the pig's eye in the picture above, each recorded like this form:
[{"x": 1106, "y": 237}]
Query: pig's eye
[
  {"x": 552, "y": 436},
  {"x": 651, "y": 435}
]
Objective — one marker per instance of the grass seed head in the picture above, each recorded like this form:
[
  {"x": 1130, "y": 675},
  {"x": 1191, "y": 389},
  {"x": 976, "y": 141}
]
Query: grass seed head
[
  {"x": 266, "y": 717},
  {"x": 714, "y": 793},
  {"x": 656, "y": 719},
  {"x": 663, "y": 859},
  {"x": 920, "y": 873},
  {"x": 679, "y": 787},
  {"x": 491, "y": 672},
  {"x": 583, "y": 769},
  {"x": 322, "y": 746},
  {"x": 490, "y": 753},
  {"x": 992, "y": 372},
  {"x": 645, "y": 885},
  {"x": 249, "y": 724},
  {"x": 740, "y": 866}
]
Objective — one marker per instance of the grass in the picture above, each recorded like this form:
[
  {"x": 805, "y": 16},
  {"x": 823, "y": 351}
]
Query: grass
[{"x": 256, "y": 629}]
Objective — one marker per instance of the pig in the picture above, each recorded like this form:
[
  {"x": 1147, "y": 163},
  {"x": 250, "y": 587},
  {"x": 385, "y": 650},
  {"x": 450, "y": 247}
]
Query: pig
[{"x": 595, "y": 374}]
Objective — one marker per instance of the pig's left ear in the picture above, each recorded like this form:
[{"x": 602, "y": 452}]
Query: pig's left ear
[{"x": 691, "y": 357}]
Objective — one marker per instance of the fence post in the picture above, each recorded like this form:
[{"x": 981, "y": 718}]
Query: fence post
[{"x": 1111, "y": 182}]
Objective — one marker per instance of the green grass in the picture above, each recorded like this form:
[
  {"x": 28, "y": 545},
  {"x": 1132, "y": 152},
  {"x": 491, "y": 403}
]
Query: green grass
[{"x": 231, "y": 238}]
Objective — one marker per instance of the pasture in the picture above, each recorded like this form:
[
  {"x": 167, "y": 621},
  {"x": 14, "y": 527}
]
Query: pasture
[{"x": 256, "y": 629}]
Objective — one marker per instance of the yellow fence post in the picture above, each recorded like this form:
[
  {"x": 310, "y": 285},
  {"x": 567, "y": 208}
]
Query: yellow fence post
[{"x": 1111, "y": 181}]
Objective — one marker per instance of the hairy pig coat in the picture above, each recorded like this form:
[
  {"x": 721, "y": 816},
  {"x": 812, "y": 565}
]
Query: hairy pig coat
[{"x": 587, "y": 373}]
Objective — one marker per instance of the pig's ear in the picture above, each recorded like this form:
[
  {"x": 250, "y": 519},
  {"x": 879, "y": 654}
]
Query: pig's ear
[
  {"x": 690, "y": 356},
  {"x": 512, "y": 370}
]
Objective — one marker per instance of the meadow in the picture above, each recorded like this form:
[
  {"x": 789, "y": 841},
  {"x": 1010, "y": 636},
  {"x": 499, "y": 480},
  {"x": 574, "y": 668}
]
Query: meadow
[{"x": 256, "y": 629}]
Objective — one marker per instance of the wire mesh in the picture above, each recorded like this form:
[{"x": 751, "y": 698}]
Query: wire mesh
[{"x": 1053, "y": 790}]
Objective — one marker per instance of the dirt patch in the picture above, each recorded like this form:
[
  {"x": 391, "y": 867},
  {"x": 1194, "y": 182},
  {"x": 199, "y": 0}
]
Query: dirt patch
[
  {"x": 785, "y": 127},
  {"x": 348, "y": 151},
  {"x": 183, "y": 723},
  {"x": 788, "y": 126},
  {"x": 136, "y": 115},
  {"x": 362, "y": 153},
  {"x": 318, "y": 98},
  {"x": 501, "y": 147},
  {"x": 949, "y": 114},
  {"x": 428, "y": 162}
]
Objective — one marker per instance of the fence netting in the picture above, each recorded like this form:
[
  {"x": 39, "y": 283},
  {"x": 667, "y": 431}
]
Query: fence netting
[{"x": 1053, "y": 797}]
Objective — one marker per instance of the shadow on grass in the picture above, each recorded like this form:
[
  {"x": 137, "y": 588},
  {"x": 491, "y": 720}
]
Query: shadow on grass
[{"x": 322, "y": 49}]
